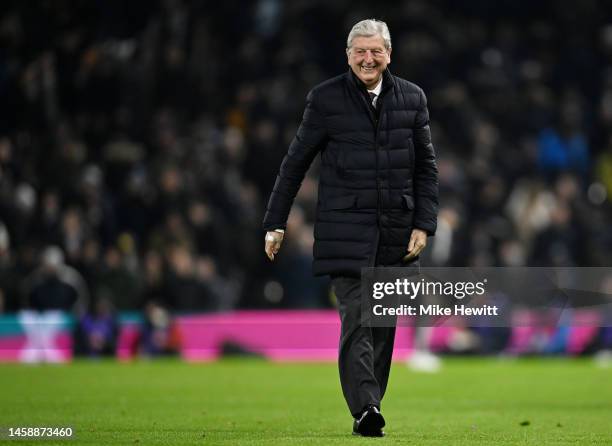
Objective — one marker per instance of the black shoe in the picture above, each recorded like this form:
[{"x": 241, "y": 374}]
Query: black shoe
[{"x": 370, "y": 423}]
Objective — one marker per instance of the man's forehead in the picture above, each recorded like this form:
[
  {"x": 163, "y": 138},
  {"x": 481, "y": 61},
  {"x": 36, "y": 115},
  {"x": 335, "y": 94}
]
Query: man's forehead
[{"x": 369, "y": 42}]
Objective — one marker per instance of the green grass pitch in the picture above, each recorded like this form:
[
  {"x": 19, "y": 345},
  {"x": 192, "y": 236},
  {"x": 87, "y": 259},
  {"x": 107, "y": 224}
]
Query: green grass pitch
[{"x": 252, "y": 402}]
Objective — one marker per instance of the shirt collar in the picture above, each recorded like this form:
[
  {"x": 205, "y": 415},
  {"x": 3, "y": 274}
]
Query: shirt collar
[{"x": 376, "y": 90}]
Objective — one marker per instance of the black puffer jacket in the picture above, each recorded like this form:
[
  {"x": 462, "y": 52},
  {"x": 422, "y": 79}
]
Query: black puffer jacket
[{"x": 378, "y": 173}]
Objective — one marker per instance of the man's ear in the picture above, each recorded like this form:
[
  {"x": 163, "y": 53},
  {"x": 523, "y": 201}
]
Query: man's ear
[
  {"x": 389, "y": 55},
  {"x": 348, "y": 56}
]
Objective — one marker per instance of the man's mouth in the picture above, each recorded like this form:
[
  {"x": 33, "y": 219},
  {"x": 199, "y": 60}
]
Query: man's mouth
[{"x": 368, "y": 69}]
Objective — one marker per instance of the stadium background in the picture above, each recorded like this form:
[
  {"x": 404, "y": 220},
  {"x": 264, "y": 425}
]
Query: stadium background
[{"x": 139, "y": 142}]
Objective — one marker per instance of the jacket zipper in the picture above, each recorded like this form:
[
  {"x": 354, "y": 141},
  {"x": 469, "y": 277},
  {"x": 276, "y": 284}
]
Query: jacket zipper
[
  {"x": 379, "y": 208},
  {"x": 376, "y": 124}
]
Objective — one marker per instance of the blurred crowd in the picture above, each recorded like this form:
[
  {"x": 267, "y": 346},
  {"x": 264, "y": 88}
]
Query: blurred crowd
[{"x": 139, "y": 142}]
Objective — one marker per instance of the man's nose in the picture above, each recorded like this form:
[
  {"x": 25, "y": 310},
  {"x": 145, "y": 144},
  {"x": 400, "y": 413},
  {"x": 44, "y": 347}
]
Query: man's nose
[{"x": 368, "y": 56}]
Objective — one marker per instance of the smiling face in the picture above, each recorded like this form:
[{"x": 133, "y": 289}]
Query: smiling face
[{"x": 368, "y": 58}]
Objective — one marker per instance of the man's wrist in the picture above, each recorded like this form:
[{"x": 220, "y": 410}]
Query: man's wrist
[{"x": 282, "y": 231}]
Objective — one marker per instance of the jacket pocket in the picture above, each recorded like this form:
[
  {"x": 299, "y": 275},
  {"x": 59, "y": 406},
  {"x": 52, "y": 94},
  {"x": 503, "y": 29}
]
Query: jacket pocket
[
  {"x": 346, "y": 202},
  {"x": 408, "y": 202}
]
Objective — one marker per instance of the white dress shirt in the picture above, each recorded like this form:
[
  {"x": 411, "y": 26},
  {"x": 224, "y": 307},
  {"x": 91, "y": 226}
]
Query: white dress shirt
[{"x": 376, "y": 91}]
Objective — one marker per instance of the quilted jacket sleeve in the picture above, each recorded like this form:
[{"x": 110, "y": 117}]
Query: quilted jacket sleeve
[
  {"x": 309, "y": 139},
  {"x": 425, "y": 172}
]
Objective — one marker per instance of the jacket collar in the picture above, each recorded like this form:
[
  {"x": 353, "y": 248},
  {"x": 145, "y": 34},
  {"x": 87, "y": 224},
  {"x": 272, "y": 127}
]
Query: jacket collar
[{"x": 387, "y": 83}]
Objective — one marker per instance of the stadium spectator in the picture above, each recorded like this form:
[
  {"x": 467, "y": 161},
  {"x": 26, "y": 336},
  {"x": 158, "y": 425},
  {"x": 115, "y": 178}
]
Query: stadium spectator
[
  {"x": 159, "y": 335},
  {"x": 52, "y": 290},
  {"x": 118, "y": 282},
  {"x": 97, "y": 331},
  {"x": 55, "y": 285}
]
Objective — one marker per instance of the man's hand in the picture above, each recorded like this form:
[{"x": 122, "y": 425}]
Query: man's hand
[
  {"x": 274, "y": 240},
  {"x": 418, "y": 241}
]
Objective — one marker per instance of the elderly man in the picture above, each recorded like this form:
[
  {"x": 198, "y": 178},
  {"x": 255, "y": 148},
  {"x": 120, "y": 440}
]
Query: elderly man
[{"x": 378, "y": 199}]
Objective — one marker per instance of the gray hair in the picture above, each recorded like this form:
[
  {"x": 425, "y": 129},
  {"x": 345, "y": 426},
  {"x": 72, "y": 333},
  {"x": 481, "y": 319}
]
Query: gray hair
[{"x": 369, "y": 28}]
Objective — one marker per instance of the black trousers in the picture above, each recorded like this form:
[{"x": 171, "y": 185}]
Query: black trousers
[{"x": 364, "y": 358}]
